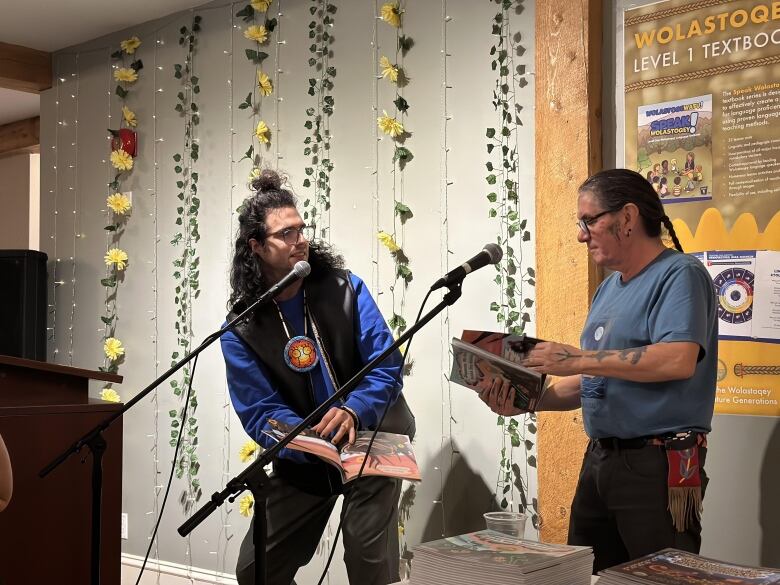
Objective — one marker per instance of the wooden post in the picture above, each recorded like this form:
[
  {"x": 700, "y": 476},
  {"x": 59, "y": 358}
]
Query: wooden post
[
  {"x": 21, "y": 136},
  {"x": 568, "y": 150},
  {"x": 24, "y": 69}
]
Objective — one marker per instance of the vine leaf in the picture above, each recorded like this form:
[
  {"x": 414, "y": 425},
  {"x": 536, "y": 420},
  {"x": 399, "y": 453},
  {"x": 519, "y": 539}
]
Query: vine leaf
[
  {"x": 403, "y": 211},
  {"x": 401, "y": 104},
  {"x": 256, "y": 57}
]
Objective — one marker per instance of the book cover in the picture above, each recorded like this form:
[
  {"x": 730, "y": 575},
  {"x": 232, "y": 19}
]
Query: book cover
[
  {"x": 391, "y": 454},
  {"x": 481, "y": 356},
  {"x": 491, "y": 548},
  {"x": 673, "y": 567}
]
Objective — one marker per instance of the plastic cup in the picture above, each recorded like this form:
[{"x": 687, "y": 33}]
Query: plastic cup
[{"x": 511, "y": 523}]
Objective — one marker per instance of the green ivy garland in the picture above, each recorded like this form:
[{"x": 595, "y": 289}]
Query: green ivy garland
[
  {"x": 512, "y": 308},
  {"x": 317, "y": 144},
  {"x": 259, "y": 34},
  {"x": 393, "y": 14},
  {"x": 187, "y": 264},
  {"x": 118, "y": 207}
]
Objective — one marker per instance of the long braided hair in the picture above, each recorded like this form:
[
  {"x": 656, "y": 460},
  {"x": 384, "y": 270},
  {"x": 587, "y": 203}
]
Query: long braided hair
[
  {"x": 247, "y": 281},
  {"x": 614, "y": 188}
]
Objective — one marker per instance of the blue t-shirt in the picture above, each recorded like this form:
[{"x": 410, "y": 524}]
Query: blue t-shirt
[
  {"x": 256, "y": 400},
  {"x": 671, "y": 299}
]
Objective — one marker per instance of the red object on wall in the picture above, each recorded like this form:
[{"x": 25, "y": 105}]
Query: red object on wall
[{"x": 124, "y": 139}]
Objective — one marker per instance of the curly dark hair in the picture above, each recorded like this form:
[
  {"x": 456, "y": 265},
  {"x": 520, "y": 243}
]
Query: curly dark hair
[
  {"x": 614, "y": 188},
  {"x": 246, "y": 277}
]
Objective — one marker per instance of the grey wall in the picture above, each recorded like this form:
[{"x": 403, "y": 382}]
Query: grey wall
[
  {"x": 741, "y": 520},
  {"x": 458, "y": 442}
]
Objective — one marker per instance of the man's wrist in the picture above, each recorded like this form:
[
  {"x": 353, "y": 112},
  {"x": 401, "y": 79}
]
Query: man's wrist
[{"x": 353, "y": 414}]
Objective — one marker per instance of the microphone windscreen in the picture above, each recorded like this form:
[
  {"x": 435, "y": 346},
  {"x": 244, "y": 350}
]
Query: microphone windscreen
[
  {"x": 495, "y": 252},
  {"x": 302, "y": 268}
]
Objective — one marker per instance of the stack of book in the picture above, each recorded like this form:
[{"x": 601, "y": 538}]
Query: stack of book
[
  {"x": 673, "y": 567},
  {"x": 492, "y": 558}
]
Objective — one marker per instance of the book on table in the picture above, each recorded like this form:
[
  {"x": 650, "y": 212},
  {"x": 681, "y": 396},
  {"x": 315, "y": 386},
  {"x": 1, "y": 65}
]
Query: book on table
[
  {"x": 391, "y": 454},
  {"x": 493, "y": 558},
  {"x": 675, "y": 567},
  {"x": 480, "y": 357}
]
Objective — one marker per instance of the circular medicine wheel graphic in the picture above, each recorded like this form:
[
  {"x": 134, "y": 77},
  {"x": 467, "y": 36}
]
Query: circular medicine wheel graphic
[{"x": 735, "y": 295}]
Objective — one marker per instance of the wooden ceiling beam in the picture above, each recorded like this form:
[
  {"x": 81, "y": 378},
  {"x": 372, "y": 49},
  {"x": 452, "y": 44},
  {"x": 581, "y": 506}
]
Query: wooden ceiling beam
[
  {"x": 21, "y": 136},
  {"x": 24, "y": 69}
]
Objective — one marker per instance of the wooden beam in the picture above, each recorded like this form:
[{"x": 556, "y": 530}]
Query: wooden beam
[
  {"x": 568, "y": 150},
  {"x": 21, "y": 136},
  {"x": 24, "y": 69}
]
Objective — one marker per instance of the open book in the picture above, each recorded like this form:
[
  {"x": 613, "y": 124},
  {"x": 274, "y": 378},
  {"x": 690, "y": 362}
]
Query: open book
[
  {"x": 481, "y": 356},
  {"x": 391, "y": 455}
]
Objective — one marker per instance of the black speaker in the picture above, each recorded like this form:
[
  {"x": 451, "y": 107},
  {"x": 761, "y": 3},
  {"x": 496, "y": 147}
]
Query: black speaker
[{"x": 23, "y": 304}]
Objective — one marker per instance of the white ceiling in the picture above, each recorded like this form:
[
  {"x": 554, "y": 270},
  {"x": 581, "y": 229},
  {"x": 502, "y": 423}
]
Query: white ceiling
[{"x": 49, "y": 25}]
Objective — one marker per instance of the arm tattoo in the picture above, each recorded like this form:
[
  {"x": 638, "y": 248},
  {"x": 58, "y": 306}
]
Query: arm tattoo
[
  {"x": 564, "y": 354},
  {"x": 631, "y": 355}
]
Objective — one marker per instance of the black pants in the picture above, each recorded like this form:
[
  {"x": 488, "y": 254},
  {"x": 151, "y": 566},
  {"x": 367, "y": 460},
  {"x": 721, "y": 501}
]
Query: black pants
[
  {"x": 296, "y": 521},
  {"x": 620, "y": 506}
]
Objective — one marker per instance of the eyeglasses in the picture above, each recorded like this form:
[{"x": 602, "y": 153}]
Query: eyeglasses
[
  {"x": 585, "y": 223},
  {"x": 292, "y": 235}
]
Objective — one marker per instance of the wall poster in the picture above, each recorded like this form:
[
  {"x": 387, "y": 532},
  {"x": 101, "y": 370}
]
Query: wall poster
[{"x": 702, "y": 108}]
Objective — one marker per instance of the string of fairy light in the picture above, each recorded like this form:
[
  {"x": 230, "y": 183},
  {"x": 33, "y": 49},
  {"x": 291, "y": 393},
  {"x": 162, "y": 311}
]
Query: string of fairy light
[
  {"x": 277, "y": 86},
  {"x": 74, "y": 191},
  {"x": 155, "y": 435},
  {"x": 444, "y": 254},
  {"x": 224, "y": 536},
  {"x": 52, "y": 307}
]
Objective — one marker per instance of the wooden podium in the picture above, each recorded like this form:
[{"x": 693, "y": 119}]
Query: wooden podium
[{"x": 45, "y": 531}]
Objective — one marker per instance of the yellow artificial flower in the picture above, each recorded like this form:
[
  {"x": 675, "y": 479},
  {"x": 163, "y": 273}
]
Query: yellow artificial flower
[
  {"x": 391, "y": 14},
  {"x": 130, "y": 45},
  {"x": 264, "y": 83},
  {"x": 256, "y": 33},
  {"x": 113, "y": 348},
  {"x": 262, "y": 132},
  {"x": 247, "y": 451},
  {"x": 117, "y": 257},
  {"x": 110, "y": 395},
  {"x": 389, "y": 125},
  {"x": 121, "y": 161},
  {"x": 245, "y": 505},
  {"x": 119, "y": 203},
  {"x": 254, "y": 174},
  {"x": 129, "y": 117},
  {"x": 388, "y": 242},
  {"x": 389, "y": 71},
  {"x": 260, "y": 5},
  {"x": 125, "y": 74}
]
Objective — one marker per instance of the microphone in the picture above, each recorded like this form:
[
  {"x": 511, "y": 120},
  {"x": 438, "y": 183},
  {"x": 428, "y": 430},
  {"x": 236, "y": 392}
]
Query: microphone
[
  {"x": 300, "y": 270},
  {"x": 490, "y": 254}
]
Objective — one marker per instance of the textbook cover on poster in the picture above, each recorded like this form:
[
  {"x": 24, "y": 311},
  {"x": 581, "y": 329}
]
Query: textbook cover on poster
[
  {"x": 391, "y": 454},
  {"x": 676, "y": 567},
  {"x": 480, "y": 356}
]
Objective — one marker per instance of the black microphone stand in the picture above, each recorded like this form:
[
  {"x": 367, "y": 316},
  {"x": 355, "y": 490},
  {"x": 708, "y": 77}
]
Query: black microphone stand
[
  {"x": 255, "y": 479},
  {"x": 96, "y": 443}
]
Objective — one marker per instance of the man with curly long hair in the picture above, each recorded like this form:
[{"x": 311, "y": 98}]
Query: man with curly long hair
[{"x": 289, "y": 358}]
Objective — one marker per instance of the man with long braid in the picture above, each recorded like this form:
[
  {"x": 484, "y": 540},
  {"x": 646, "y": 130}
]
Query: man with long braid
[
  {"x": 334, "y": 325},
  {"x": 644, "y": 376}
]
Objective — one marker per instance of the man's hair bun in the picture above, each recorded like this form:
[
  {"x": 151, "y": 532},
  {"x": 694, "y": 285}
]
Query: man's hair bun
[{"x": 267, "y": 181}]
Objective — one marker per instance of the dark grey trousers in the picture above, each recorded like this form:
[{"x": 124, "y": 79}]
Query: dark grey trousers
[
  {"x": 296, "y": 521},
  {"x": 620, "y": 506}
]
